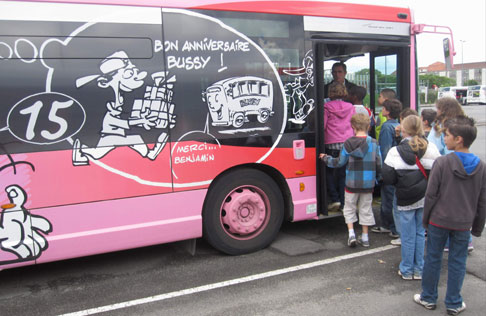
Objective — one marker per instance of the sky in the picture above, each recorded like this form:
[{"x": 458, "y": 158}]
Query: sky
[{"x": 466, "y": 18}]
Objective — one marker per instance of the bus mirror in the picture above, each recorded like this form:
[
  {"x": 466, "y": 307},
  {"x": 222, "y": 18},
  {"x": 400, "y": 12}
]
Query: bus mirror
[
  {"x": 203, "y": 96},
  {"x": 447, "y": 53}
]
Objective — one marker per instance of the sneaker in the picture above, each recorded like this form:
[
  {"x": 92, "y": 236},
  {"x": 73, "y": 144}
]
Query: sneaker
[
  {"x": 470, "y": 247},
  {"x": 352, "y": 241},
  {"x": 417, "y": 299},
  {"x": 455, "y": 311},
  {"x": 405, "y": 277},
  {"x": 417, "y": 276},
  {"x": 380, "y": 230},
  {"x": 396, "y": 242},
  {"x": 393, "y": 235},
  {"x": 363, "y": 243},
  {"x": 334, "y": 206}
]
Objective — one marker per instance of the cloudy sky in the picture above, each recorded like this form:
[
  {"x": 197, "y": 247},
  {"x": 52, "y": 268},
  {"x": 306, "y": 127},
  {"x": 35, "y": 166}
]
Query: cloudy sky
[{"x": 466, "y": 18}]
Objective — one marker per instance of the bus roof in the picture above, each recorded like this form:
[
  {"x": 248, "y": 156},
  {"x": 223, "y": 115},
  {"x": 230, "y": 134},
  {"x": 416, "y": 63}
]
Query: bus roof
[{"x": 335, "y": 9}]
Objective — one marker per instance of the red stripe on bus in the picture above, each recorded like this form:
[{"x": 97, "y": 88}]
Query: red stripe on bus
[{"x": 310, "y": 8}]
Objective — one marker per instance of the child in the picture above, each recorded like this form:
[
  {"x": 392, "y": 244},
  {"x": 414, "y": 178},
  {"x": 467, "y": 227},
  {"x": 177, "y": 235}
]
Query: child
[
  {"x": 364, "y": 167},
  {"x": 405, "y": 112},
  {"x": 428, "y": 117},
  {"x": 409, "y": 177},
  {"x": 455, "y": 202},
  {"x": 337, "y": 128},
  {"x": 356, "y": 95},
  {"x": 391, "y": 110},
  {"x": 447, "y": 108},
  {"x": 385, "y": 94}
]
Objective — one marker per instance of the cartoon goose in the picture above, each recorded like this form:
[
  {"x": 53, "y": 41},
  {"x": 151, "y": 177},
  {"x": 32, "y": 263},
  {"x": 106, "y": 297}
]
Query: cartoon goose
[{"x": 19, "y": 229}]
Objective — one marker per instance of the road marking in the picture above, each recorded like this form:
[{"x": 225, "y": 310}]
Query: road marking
[{"x": 218, "y": 285}]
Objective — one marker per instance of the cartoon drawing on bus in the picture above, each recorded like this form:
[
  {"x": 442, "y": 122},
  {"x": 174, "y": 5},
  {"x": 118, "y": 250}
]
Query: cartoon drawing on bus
[
  {"x": 296, "y": 90},
  {"x": 231, "y": 101},
  {"x": 20, "y": 230},
  {"x": 120, "y": 74}
]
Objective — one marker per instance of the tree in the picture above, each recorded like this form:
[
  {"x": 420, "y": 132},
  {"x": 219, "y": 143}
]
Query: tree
[
  {"x": 439, "y": 81},
  {"x": 471, "y": 82}
]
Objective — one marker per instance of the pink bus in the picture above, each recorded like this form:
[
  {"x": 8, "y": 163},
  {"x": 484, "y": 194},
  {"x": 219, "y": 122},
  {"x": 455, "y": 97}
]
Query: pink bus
[{"x": 106, "y": 143}]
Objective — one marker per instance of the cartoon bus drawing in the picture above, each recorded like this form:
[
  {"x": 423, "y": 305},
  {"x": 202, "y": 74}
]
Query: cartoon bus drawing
[{"x": 231, "y": 100}]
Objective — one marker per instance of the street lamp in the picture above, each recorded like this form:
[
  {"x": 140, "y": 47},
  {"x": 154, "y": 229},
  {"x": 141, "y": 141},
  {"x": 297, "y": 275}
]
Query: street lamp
[{"x": 462, "y": 62}]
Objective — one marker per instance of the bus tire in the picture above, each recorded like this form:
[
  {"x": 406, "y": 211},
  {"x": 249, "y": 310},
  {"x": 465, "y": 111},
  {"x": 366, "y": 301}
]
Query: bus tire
[
  {"x": 263, "y": 116},
  {"x": 238, "y": 120},
  {"x": 243, "y": 212}
]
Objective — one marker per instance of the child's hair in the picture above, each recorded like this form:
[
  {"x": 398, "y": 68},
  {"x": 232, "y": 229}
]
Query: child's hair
[
  {"x": 406, "y": 112},
  {"x": 428, "y": 115},
  {"x": 412, "y": 125},
  {"x": 357, "y": 91},
  {"x": 463, "y": 126},
  {"x": 360, "y": 122},
  {"x": 337, "y": 91},
  {"x": 449, "y": 108},
  {"x": 388, "y": 94},
  {"x": 393, "y": 106}
]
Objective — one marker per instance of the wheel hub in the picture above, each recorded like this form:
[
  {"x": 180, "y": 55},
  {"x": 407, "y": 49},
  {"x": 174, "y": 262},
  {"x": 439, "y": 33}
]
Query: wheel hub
[{"x": 245, "y": 212}]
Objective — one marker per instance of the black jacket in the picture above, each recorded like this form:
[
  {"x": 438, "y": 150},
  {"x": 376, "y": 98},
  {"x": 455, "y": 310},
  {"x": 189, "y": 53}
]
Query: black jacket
[{"x": 401, "y": 171}]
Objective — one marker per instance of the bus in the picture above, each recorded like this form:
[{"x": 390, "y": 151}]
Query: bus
[
  {"x": 230, "y": 101},
  {"x": 106, "y": 143},
  {"x": 476, "y": 94},
  {"x": 459, "y": 93}
]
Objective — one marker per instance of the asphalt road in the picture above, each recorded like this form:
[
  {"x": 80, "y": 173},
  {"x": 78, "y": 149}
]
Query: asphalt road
[{"x": 308, "y": 270}]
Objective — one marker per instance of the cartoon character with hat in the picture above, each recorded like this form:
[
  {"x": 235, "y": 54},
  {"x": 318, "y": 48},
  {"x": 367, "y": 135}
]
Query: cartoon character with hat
[
  {"x": 295, "y": 91},
  {"x": 119, "y": 74}
]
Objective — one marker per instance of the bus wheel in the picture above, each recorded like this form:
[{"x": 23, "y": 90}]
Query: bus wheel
[
  {"x": 238, "y": 120},
  {"x": 243, "y": 212},
  {"x": 263, "y": 116}
]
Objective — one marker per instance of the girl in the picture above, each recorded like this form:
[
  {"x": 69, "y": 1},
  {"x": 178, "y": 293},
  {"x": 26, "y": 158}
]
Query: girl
[
  {"x": 337, "y": 128},
  {"x": 406, "y": 167},
  {"x": 447, "y": 108}
]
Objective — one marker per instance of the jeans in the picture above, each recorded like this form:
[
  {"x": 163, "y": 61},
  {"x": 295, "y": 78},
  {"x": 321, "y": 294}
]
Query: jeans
[
  {"x": 436, "y": 239},
  {"x": 335, "y": 179},
  {"x": 447, "y": 243},
  {"x": 387, "y": 204},
  {"x": 396, "y": 227},
  {"x": 413, "y": 242}
]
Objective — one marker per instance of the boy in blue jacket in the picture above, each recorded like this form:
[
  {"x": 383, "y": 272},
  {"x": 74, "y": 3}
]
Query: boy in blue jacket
[
  {"x": 391, "y": 110},
  {"x": 362, "y": 155}
]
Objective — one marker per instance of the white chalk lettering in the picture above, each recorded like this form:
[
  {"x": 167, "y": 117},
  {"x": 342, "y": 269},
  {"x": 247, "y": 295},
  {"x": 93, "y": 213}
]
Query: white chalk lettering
[
  {"x": 158, "y": 46},
  {"x": 212, "y": 45},
  {"x": 194, "y": 147},
  {"x": 193, "y": 158},
  {"x": 187, "y": 63}
]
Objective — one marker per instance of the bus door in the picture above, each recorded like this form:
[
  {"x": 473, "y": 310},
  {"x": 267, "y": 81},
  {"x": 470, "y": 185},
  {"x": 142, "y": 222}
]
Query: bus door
[{"x": 371, "y": 62}]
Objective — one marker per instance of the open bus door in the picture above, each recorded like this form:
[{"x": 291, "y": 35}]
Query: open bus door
[{"x": 372, "y": 62}]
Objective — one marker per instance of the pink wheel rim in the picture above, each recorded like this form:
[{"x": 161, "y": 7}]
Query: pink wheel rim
[{"x": 245, "y": 212}]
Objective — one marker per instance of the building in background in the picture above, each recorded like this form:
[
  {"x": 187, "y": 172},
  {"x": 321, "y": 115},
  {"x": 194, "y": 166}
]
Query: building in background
[{"x": 461, "y": 72}]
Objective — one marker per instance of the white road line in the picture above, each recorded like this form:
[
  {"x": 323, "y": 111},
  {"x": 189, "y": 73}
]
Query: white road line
[{"x": 218, "y": 285}]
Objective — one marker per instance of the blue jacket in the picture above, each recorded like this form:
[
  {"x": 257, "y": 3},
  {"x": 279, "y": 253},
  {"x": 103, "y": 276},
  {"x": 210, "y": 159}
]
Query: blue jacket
[
  {"x": 364, "y": 163},
  {"x": 387, "y": 137},
  {"x": 438, "y": 140}
]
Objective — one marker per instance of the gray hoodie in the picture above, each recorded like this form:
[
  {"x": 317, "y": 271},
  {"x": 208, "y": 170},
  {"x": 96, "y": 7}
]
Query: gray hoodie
[{"x": 455, "y": 199}]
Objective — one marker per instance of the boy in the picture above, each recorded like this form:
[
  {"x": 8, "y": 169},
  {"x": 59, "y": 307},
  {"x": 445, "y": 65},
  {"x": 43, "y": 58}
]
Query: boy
[
  {"x": 385, "y": 94},
  {"x": 455, "y": 207},
  {"x": 363, "y": 169},
  {"x": 356, "y": 95},
  {"x": 391, "y": 110},
  {"x": 428, "y": 117}
]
